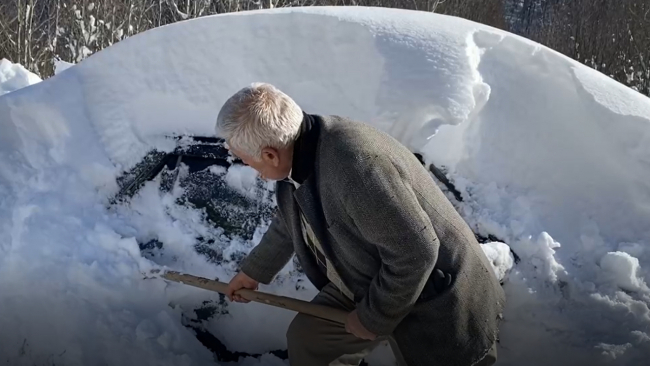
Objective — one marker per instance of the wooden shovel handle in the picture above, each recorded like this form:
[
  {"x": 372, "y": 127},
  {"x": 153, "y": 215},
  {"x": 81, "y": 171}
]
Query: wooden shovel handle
[{"x": 320, "y": 311}]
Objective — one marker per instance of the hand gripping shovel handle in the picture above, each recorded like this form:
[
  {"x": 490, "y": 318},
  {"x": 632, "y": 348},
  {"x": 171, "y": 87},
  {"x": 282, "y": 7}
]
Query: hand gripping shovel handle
[{"x": 320, "y": 311}]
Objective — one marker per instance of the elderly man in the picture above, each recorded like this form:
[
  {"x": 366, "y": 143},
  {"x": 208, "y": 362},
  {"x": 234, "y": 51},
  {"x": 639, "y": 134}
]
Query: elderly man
[{"x": 372, "y": 231}]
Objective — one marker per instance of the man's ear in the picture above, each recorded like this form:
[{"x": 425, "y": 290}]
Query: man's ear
[{"x": 271, "y": 156}]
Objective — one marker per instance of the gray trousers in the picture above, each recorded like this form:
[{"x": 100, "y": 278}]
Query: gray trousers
[{"x": 318, "y": 342}]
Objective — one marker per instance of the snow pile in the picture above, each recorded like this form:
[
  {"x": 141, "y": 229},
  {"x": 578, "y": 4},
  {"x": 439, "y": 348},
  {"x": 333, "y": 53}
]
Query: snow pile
[
  {"x": 502, "y": 260},
  {"x": 15, "y": 76},
  {"x": 549, "y": 157},
  {"x": 622, "y": 270},
  {"x": 60, "y": 66}
]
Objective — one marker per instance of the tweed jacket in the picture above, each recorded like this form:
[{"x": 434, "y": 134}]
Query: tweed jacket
[{"x": 388, "y": 229}]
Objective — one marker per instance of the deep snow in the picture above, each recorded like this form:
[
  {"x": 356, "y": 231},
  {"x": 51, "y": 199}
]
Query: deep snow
[{"x": 549, "y": 156}]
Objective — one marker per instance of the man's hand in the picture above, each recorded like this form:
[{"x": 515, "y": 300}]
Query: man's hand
[
  {"x": 241, "y": 280},
  {"x": 353, "y": 325}
]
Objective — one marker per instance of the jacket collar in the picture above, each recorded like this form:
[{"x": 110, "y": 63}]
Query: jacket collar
[{"x": 304, "y": 150}]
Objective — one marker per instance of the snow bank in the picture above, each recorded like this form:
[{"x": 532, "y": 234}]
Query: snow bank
[
  {"x": 551, "y": 157},
  {"x": 15, "y": 76}
]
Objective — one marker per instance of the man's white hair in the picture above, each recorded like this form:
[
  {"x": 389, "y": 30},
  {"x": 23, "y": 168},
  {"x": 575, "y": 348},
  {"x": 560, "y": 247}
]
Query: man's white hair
[{"x": 259, "y": 116}]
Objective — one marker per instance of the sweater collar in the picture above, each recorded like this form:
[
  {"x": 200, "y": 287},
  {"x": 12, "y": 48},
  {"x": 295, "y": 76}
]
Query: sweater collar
[{"x": 304, "y": 150}]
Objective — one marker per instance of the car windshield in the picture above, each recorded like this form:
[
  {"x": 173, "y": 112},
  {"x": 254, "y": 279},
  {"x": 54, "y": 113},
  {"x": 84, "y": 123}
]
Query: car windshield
[{"x": 202, "y": 175}]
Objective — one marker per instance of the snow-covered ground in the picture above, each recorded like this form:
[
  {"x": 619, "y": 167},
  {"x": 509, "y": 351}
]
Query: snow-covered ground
[{"x": 550, "y": 156}]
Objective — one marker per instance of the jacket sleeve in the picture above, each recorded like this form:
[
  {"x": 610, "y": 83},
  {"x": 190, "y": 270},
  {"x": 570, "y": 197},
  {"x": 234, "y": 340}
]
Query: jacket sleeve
[
  {"x": 385, "y": 209},
  {"x": 271, "y": 255}
]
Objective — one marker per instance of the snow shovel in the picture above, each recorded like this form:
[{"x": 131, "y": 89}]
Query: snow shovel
[{"x": 320, "y": 311}]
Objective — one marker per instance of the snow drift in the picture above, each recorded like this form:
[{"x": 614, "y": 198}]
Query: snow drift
[
  {"x": 14, "y": 77},
  {"x": 549, "y": 156}
]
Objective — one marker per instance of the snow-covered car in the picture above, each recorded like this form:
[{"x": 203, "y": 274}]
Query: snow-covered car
[{"x": 547, "y": 153}]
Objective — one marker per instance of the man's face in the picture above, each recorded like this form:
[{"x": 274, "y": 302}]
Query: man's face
[{"x": 271, "y": 166}]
